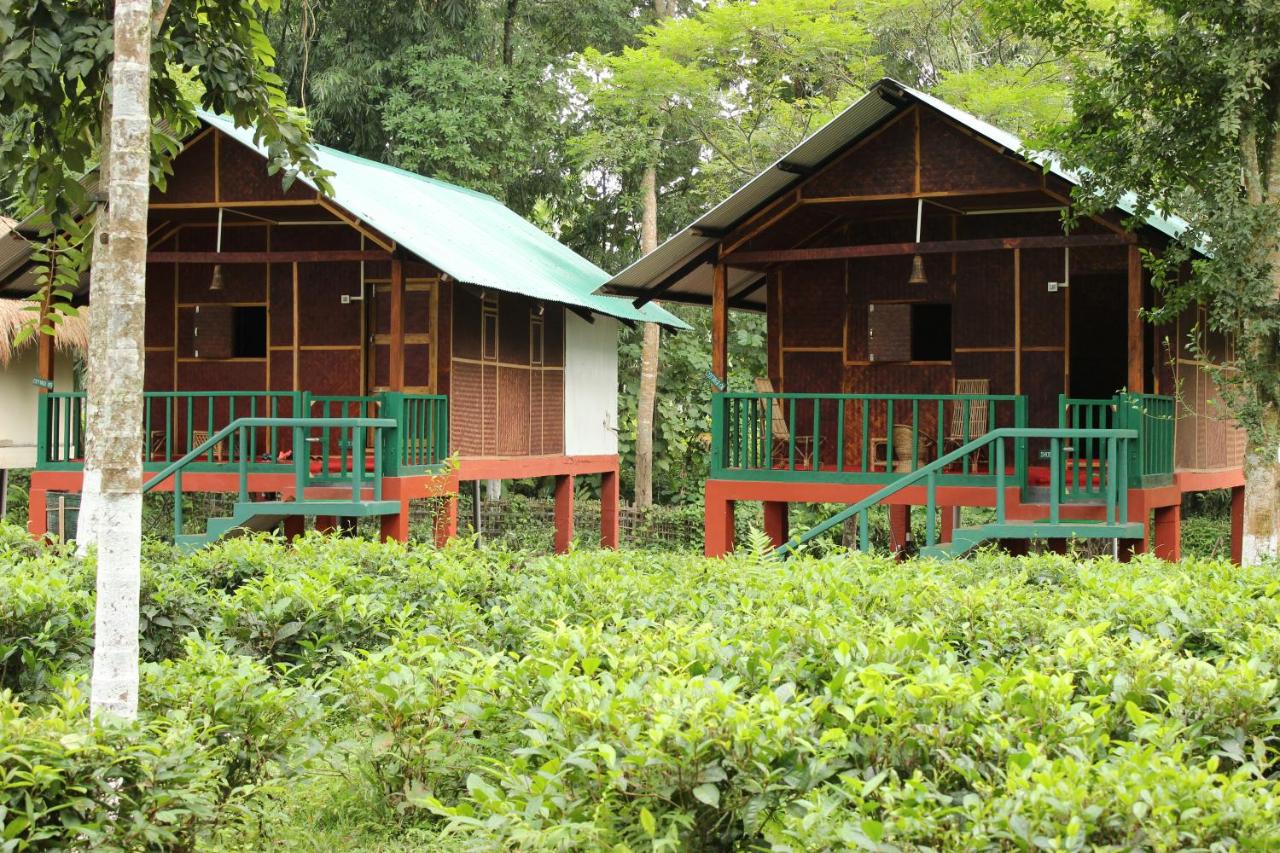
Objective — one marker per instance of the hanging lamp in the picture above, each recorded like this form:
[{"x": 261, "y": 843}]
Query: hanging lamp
[
  {"x": 917, "y": 261},
  {"x": 216, "y": 284}
]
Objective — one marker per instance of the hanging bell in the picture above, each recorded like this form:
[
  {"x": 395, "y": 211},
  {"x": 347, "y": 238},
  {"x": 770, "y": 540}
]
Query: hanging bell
[
  {"x": 917, "y": 271},
  {"x": 216, "y": 284}
]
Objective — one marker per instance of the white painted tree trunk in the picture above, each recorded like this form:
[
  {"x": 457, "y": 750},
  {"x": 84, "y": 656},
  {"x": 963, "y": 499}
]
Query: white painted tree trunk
[
  {"x": 90, "y": 490},
  {"x": 650, "y": 345},
  {"x": 1261, "y": 535},
  {"x": 115, "y": 418}
]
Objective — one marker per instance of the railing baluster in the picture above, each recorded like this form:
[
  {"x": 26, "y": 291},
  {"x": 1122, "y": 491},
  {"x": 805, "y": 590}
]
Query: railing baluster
[
  {"x": 357, "y": 465},
  {"x": 817, "y": 434},
  {"x": 866, "y": 434},
  {"x": 1055, "y": 479},
  {"x": 840, "y": 435},
  {"x": 1111, "y": 480},
  {"x": 964, "y": 430},
  {"x": 931, "y": 510},
  {"x": 888, "y": 440},
  {"x": 864, "y": 532},
  {"x": 791, "y": 432},
  {"x": 1000, "y": 485},
  {"x": 915, "y": 434},
  {"x": 244, "y": 465}
]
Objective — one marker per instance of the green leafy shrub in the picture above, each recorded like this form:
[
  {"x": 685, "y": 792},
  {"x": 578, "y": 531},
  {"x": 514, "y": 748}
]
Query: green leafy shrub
[
  {"x": 259, "y": 731},
  {"x": 46, "y": 620},
  {"x": 67, "y": 782}
]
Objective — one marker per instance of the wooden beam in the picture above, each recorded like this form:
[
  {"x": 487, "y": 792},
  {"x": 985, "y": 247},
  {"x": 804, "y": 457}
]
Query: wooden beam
[
  {"x": 740, "y": 297},
  {"x": 44, "y": 357},
  {"x": 1137, "y": 356},
  {"x": 667, "y": 283},
  {"x": 720, "y": 322},
  {"x": 396, "y": 347},
  {"x": 832, "y": 253},
  {"x": 295, "y": 257}
]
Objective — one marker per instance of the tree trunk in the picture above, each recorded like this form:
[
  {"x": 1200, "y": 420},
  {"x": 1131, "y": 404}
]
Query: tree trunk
[
  {"x": 649, "y": 350},
  {"x": 1262, "y": 496},
  {"x": 115, "y": 418},
  {"x": 86, "y": 520}
]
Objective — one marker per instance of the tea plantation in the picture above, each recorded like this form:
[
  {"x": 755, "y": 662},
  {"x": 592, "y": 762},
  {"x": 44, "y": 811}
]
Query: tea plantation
[{"x": 343, "y": 694}]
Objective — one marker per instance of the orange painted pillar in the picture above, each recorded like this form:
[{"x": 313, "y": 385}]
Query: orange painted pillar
[
  {"x": 326, "y": 523},
  {"x": 610, "y": 536},
  {"x": 718, "y": 522},
  {"x": 395, "y": 526},
  {"x": 37, "y": 512},
  {"x": 946, "y": 530},
  {"x": 564, "y": 512},
  {"x": 1169, "y": 532},
  {"x": 294, "y": 526},
  {"x": 446, "y": 520},
  {"x": 776, "y": 523},
  {"x": 1237, "y": 525},
  {"x": 899, "y": 527}
]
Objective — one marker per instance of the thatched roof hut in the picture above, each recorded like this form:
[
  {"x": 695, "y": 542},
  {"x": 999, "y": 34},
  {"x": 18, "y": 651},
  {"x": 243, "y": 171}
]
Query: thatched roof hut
[{"x": 72, "y": 333}]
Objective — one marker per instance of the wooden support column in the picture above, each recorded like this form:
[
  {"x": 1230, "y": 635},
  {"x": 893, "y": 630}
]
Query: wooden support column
[
  {"x": 1137, "y": 356},
  {"x": 1169, "y": 532},
  {"x": 717, "y": 522},
  {"x": 899, "y": 527},
  {"x": 564, "y": 513},
  {"x": 396, "y": 349},
  {"x": 326, "y": 523},
  {"x": 720, "y": 323},
  {"x": 609, "y": 529},
  {"x": 37, "y": 512},
  {"x": 776, "y": 522},
  {"x": 294, "y": 526},
  {"x": 44, "y": 358},
  {"x": 1237, "y": 525},
  {"x": 395, "y": 526},
  {"x": 950, "y": 521}
]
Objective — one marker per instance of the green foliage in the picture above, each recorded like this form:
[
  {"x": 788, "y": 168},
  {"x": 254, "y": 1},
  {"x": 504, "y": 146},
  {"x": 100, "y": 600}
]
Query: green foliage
[
  {"x": 71, "y": 783},
  {"x": 477, "y": 699},
  {"x": 1179, "y": 102}
]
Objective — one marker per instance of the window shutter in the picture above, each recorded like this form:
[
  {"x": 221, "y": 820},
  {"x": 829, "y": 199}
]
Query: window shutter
[
  {"x": 889, "y": 331},
  {"x": 212, "y": 336}
]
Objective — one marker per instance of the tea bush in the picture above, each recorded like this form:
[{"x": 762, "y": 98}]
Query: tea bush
[{"x": 345, "y": 693}]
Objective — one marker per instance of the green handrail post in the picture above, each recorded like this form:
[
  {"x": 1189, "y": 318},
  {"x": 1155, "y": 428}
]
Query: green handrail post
[
  {"x": 42, "y": 429},
  {"x": 817, "y": 435},
  {"x": 888, "y": 433},
  {"x": 1111, "y": 479},
  {"x": 718, "y": 403},
  {"x": 1000, "y": 498},
  {"x": 357, "y": 462},
  {"x": 1122, "y": 511},
  {"x": 791, "y": 433},
  {"x": 1020, "y": 444},
  {"x": 177, "y": 504},
  {"x": 932, "y": 508},
  {"x": 864, "y": 531},
  {"x": 244, "y": 467},
  {"x": 391, "y": 406},
  {"x": 301, "y": 459},
  {"x": 1055, "y": 480},
  {"x": 839, "y": 435}
]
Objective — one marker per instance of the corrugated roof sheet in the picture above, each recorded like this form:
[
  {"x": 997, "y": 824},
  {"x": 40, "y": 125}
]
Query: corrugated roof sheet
[
  {"x": 471, "y": 236},
  {"x": 862, "y": 116}
]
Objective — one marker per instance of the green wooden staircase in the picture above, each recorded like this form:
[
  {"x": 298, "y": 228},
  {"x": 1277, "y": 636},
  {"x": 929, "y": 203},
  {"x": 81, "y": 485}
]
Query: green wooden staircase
[
  {"x": 358, "y": 466},
  {"x": 1102, "y": 483}
]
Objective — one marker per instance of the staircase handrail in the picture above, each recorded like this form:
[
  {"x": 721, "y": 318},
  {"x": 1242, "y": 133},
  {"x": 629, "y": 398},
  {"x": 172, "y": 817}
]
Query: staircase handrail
[
  {"x": 246, "y": 423},
  {"x": 933, "y": 468}
]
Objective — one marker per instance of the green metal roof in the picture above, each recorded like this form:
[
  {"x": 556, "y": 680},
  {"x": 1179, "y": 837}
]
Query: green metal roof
[{"x": 471, "y": 236}]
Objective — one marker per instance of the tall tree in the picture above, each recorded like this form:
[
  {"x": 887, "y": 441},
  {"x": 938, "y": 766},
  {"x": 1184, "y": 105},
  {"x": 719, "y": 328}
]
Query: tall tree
[
  {"x": 116, "y": 417},
  {"x": 54, "y": 74},
  {"x": 1179, "y": 101}
]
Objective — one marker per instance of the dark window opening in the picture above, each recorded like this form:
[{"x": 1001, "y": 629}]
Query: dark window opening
[
  {"x": 249, "y": 332},
  {"x": 930, "y": 332}
]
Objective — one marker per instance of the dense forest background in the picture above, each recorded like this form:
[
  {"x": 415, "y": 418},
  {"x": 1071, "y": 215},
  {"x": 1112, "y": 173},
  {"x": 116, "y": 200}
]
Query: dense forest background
[{"x": 557, "y": 107}]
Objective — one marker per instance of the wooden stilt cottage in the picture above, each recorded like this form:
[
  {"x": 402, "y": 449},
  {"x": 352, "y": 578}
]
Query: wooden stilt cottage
[
  {"x": 937, "y": 340},
  {"x": 326, "y": 355}
]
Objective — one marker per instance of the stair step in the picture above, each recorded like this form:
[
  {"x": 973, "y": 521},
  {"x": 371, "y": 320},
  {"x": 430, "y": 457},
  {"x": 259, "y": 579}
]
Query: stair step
[{"x": 964, "y": 539}]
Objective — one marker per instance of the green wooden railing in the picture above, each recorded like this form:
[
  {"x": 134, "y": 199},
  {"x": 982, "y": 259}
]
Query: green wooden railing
[
  {"x": 1113, "y": 475},
  {"x": 175, "y": 423},
  {"x": 237, "y": 434},
  {"x": 1151, "y": 456},
  {"x": 858, "y": 438}
]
